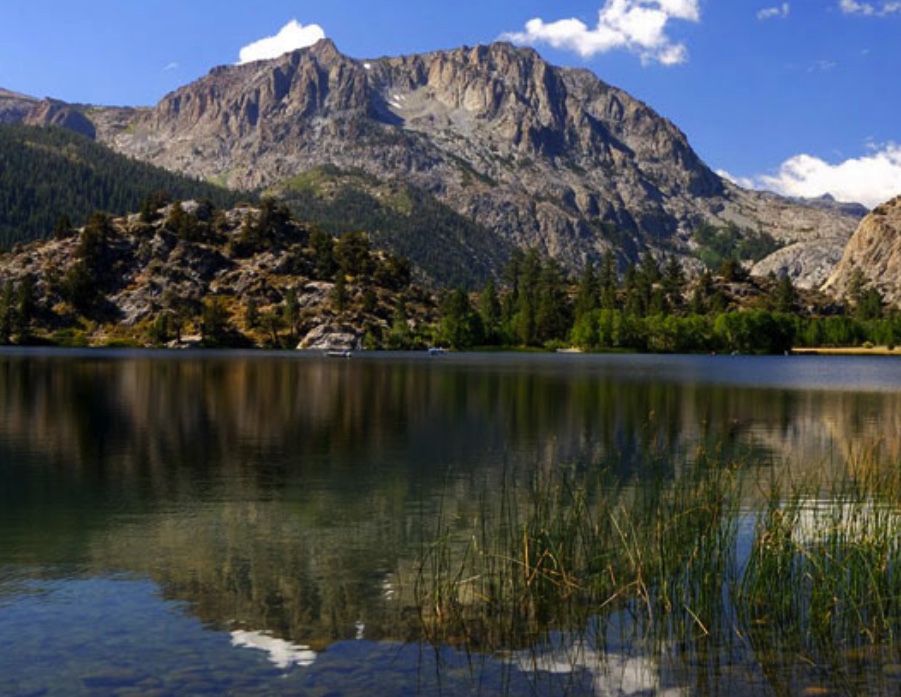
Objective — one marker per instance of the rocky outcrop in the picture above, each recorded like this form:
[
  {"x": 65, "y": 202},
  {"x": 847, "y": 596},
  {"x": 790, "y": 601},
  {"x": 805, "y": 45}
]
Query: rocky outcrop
[
  {"x": 226, "y": 277},
  {"x": 332, "y": 336},
  {"x": 51, "y": 112},
  {"x": 812, "y": 237},
  {"x": 873, "y": 255},
  {"x": 20, "y": 108},
  {"x": 15, "y": 107}
]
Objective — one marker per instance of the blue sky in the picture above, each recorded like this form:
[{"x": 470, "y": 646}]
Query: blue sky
[{"x": 799, "y": 97}]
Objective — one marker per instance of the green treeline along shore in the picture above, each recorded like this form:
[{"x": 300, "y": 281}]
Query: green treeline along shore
[{"x": 254, "y": 275}]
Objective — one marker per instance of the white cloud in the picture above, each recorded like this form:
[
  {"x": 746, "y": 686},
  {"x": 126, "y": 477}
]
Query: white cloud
[
  {"x": 172, "y": 66},
  {"x": 638, "y": 26},
  {"x": 822, "y": 66},
  {"x": 775, "y": 12},
  {"x": 869, "y": 9},
  {"x": 871, "y": 179},
  {"x": 291, "y": 37}
]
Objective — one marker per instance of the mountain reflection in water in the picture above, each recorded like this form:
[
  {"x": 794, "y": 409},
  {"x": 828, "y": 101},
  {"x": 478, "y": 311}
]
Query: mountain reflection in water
[{"x": 287, "y": 499}]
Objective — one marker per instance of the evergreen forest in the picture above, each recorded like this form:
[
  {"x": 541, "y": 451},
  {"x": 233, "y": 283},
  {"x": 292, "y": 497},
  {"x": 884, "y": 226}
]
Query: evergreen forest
[
  {"x": 54, "y": 177},
  {"x": 653, "y": 307}
]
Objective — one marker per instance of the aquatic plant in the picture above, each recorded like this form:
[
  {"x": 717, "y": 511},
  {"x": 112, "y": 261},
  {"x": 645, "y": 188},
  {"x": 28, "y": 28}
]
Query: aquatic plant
[{"x": 788, "y": 582}]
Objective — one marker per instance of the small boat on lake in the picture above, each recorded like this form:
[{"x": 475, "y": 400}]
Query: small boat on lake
[
  {"x": 437, "y": 351},
  {"x": 338, "y": 354}
]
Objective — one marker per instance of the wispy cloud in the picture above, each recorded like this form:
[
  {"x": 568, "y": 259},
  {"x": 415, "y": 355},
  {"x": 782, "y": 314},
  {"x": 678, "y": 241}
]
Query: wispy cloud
[
  {"x": 822, "y": 66},
  {"x": 172, "y": 66},
  {"x": 638, "y": 26},
  {"x": 870, "y": 179},
  {"x": 780, "y": 12},
  {"x": 291, "y": 37},
  {"x": 869, "y": 9}
]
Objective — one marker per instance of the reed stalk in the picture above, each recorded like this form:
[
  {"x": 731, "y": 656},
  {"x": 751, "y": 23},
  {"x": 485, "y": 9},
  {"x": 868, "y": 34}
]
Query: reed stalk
[{"x": 814, "y": 580}]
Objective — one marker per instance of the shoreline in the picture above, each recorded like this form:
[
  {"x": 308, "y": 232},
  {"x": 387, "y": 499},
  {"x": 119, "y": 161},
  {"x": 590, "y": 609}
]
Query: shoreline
[{"x": 847, "y": 351}]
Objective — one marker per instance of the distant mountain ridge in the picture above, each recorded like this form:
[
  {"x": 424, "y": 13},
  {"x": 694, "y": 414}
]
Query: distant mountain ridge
[{"x": 534, "y": 155}]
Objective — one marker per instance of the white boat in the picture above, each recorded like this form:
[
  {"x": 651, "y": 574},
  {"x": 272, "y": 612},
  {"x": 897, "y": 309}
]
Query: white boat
[
  {"x": 338, "y": 354},
  {"x": 437, "y": 351}
]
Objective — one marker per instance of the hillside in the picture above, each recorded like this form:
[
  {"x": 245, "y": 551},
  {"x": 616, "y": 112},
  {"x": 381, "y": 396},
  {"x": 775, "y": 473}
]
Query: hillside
[
  {"x": 192, "y": 274},
  {"x": 48, "y": 173},
  {"x": 446, "y": 248}
]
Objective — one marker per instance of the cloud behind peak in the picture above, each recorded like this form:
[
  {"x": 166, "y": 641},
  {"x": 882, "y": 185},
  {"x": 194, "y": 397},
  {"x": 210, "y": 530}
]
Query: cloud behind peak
[
  {"x": 637, "y": 26},
  {"x": 291, "y": 37}
]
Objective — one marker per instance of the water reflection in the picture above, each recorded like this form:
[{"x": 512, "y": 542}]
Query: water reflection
[
  {"x": 286, "y": 500},
  {"x": 281, "y": 653},
  {"x": 611, "y": 674}
]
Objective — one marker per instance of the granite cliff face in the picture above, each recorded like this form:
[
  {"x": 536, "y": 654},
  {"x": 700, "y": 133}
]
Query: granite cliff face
[
  {"x": 538, "y": 155},
  {"x": 875, "y": 252}
]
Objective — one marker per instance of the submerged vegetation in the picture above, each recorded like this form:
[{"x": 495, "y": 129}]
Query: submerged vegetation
[{"x": 722, "y": 570}]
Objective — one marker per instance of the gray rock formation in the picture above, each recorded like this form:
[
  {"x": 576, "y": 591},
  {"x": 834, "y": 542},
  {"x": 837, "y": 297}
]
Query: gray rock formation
[
  {"x": 15, "y": 107},
  {"x": 873, "y": 254},
  {"x": 332, "y": 336}
]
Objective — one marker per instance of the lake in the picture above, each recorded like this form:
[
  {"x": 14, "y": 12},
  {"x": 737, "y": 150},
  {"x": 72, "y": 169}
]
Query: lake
[{"x": 267, "y": 523}]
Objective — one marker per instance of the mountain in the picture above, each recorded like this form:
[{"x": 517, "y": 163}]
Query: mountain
[
  {"x": 531, "y": 154},
  {"x": 873, "y": 255},
  {"x": 48, "y": 173}
]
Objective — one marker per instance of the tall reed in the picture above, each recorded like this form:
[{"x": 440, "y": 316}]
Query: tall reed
[{"x": 690, "y": 564}]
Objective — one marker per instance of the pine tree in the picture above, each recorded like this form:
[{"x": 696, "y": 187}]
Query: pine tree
[
  {"x": 527, "y": 285},
  {"x": 608, "y": 282},
  {"x": 490, "y": 312},
  {"x": 214, "y": 322},
  {"x": 26, "y": 305},
  {"x": 552, "y": 314},
  {"x": 673, "y": 283},
  {"x": 7, "y": 312},
  {"x": 785, "y": 297},
  {"x": 323, "y": 246},
  {"x": 291, "y": 311},
  {"x": 63, "y": 228},
  {"x": 340, "y": 294},
  {"x": 460, "y": 326},
  {"x": 588, "y": 296}
]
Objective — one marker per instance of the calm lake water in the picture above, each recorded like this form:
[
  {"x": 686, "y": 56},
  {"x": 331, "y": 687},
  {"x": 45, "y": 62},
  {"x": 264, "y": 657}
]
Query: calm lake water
[{"x": 252, "y": 523}]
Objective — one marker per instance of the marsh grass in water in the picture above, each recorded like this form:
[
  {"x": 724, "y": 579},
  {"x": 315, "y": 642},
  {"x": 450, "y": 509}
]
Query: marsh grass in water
[{"x": 723, "y": 569}]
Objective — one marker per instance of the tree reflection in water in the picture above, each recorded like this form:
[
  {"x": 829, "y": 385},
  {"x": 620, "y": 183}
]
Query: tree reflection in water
[{"x": 293, "y": 498}]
